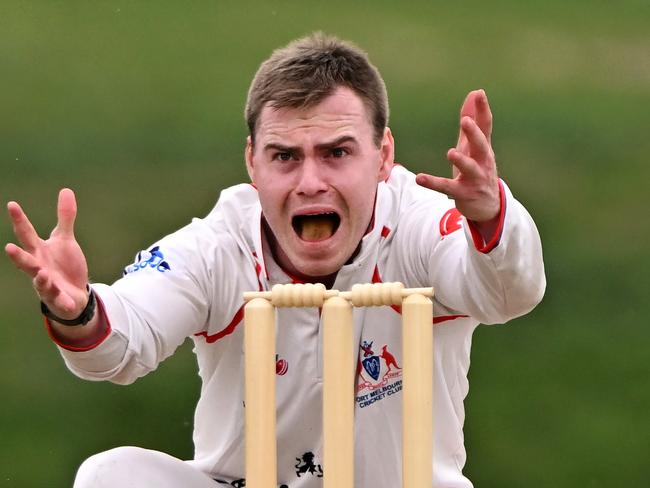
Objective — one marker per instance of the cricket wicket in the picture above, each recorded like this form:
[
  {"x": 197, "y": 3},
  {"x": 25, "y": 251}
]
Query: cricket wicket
[{"x": 339, "y": 355}]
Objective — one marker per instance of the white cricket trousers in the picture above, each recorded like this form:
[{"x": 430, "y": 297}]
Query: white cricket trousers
[{"x": 134, "y": 467}]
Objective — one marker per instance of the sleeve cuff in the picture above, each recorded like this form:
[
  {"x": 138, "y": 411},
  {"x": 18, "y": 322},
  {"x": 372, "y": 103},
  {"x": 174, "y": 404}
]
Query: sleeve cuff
[
  {"x": 87, "y": 343},
  {"x": 479, "y": 243}
]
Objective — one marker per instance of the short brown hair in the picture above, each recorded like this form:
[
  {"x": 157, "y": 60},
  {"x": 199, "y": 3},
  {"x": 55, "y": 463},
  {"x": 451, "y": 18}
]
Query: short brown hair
[{"x": 308, "y": 70}]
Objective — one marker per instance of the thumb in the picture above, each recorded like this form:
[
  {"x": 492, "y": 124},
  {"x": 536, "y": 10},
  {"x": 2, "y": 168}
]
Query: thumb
[{"x": 59, "y": 301}]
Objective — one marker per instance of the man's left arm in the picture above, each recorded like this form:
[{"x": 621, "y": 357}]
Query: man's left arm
[{"x": 506, "y": 268}]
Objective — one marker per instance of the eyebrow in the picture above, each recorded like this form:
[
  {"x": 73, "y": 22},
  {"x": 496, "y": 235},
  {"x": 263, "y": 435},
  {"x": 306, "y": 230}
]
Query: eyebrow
[
  {"x": 273, "y": 146},
  {"x": 282, "y": 148},
  {"x": 336, "y": 143}
]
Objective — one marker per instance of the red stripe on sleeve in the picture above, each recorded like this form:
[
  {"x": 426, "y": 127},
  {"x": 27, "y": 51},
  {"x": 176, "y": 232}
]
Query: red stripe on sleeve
[
  {"x": 230, "y": 328},
  {"x": 445, "y": 318},
  {"x": 479, "y": 242},
  {"x": 101, "y": 333}
]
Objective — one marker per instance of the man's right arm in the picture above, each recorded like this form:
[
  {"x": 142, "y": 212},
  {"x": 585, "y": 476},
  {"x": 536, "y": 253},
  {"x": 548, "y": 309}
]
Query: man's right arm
[{"x": 137, "y": 322}]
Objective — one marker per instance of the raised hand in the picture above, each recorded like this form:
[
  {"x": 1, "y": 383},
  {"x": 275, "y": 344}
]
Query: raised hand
[
  {"x": 57, "y": 265},
  {"x": 475, "y": 184}
]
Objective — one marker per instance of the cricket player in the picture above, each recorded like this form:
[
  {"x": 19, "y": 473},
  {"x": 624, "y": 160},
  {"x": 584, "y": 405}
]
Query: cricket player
[{"x": 326, "y": 203}]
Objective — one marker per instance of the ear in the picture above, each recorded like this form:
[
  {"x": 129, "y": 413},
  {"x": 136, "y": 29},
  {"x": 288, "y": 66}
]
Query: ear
[
  {"x": 387, "y": 154},
  {"x": 248, "y": 155}
]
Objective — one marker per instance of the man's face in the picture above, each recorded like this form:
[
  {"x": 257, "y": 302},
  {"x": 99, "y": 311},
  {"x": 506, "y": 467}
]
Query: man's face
[{"x": 316, "y": 171}]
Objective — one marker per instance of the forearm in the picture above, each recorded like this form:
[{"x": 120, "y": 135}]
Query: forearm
[
  {"x": 136, "y": 331},
  {"x": 498, "y": 280},
  {"x": 93, "y": 351},
  {"x": 514, "y": 269}
]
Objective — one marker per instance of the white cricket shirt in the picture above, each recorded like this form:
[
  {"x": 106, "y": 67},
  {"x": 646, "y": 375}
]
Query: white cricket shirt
[{"x": 190, "y": 284}]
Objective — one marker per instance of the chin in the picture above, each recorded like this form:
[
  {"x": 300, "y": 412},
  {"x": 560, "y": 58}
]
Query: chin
[{"x": 320, "y": 269}]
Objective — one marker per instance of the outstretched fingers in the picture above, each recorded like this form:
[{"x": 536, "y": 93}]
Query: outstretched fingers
[
  {"x": 437, "y": 183},
  {"x": 483, "y": 114},
  {"x": 57, "y": 265},
  {"x": 474, "y": 185},
  {"x": 23, "y": 228},
  {"x": 476, "y": 107},
  {"x": 478, "y": 144},
  {"x": 464, "y": 164},
  {"x": 22, "y": 259},
  {"x": 469, "y": 106}
]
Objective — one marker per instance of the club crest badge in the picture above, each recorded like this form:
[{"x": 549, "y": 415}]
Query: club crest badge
[
  {"x": 379, "y": 374},
  {"x": 372, "y": 366}
]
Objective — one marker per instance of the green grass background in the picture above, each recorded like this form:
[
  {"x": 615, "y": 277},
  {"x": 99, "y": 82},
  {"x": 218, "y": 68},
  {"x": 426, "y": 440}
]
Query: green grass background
[{"x": 137, "y": 105}]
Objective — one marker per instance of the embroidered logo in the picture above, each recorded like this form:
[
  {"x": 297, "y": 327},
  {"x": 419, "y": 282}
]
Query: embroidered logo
[
  {"x": 153, "y": 258},
  {"x": 450, "y": 222},
  {"x": 307, "y": 465},
  {"x": 379, "y": 374}
]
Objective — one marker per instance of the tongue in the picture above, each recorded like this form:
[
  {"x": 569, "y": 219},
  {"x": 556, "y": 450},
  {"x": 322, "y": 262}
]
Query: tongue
[{"x": 316, "y": 228}]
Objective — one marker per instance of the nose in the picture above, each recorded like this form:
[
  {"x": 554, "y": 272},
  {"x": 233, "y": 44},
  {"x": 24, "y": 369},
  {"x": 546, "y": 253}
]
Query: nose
[{"x": 310, "y": 179}]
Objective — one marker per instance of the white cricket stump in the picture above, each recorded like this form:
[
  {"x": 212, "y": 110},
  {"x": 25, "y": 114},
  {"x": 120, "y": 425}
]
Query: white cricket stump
[{"x": 339, "y": 353}]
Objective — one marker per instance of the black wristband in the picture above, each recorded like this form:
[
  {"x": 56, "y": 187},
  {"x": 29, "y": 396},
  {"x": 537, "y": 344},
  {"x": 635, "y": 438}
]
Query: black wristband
[{"x": 85, "y": 316}]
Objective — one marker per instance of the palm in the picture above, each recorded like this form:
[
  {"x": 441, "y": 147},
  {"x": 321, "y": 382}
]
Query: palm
[{"x": 63, "y": 256}]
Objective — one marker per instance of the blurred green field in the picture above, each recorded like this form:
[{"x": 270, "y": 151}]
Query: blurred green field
[{"x": 138, "y": 107}]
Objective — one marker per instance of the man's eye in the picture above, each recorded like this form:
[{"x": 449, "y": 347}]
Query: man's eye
[
  {"x": 338, "y": 152},
  {"x": 282, "y": 156}
]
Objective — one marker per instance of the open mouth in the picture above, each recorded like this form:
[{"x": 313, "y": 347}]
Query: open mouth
[{"x": 316, "y": 227}]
